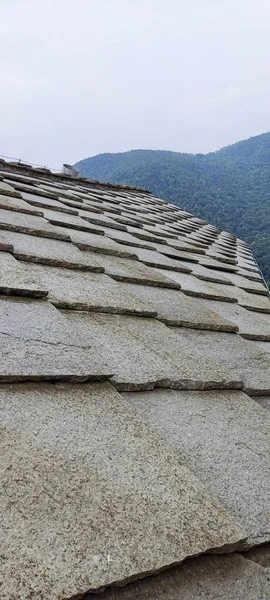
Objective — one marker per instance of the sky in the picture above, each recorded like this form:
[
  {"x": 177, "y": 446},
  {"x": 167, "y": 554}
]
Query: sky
[{"x": 83, "y": 77}]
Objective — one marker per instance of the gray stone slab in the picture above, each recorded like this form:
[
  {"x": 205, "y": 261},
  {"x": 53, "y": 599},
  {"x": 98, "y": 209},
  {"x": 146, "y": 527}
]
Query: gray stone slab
[
  {"x": 92, "y": 242},
  {"x": 244, "y": 359},
  {"x": 224, "y": 439},
  {"x": 206, "y": 274},
  {"x": 226, "y": 577},
  {"x": 31, "y": 224},
  {"x": 87, "y": 479},
  {"x": 50, "y": 203},
  {"x": 14, "y": 281},
  {"x": 18, "y": 205},
  {"x": 37, "y": 343},
  {"x": 264, "y": 401},
  {"x": 208, "y": 261},
  {"x": 125, "y": 238},
  {"x": 157, "y": 260},
  {"x": 192, "y": 286},
  {"x": 8, "y": 190},
  {"x": 253, "y": 302},
  {"x": 251, "y": 325},
  {"x": 259, "y": 555},
  {"x": 147, "y": 354},
  {"x": 104, "y": 220},
  {"x": 80, "y": 290},
  {"x": 57, "y": 253},
  {"x": 177, "y": 310},
  {"x": 132, "y": 271},
  {"x": 185, "y": 246},
  {"x": 70, "y": 221},
  {"x": 247, "y": 284}
]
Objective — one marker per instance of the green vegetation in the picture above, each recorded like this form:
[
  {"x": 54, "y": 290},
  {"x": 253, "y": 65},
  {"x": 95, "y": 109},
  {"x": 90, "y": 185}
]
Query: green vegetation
[{"x": 230, "y": 187}]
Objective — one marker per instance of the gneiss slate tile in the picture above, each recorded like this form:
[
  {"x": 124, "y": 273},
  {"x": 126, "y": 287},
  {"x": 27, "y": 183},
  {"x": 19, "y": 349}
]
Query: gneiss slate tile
[
  {"x": 132, "y": 271},
  {"x": 176, "y": 310},
  {"x": 192, "y": 286},
  {"x": 14, "y": 281},
  {"x": 8, "y": 190},
  {"x": 38, "y": 344},
  {"x": 40, "y": 201},
  {"x": 78, "y": 290},
  {"x": 223, "y": 438},
  {"x": 31, "y": 248},
  {"x": 153, "y": 258},
  {"x": 18, "y": 205},
  {"x": 253, "y": 302},
  {"x": 254, "y": 326},
  {"x": 85, "y": 240},
  {"x": 226, "y": 577},
  {"x": 33, "y": 225},
  {"x": 97, "y": 497},
  {"x": 244, "y": 359},
  {"x": 147, "y": 354}
]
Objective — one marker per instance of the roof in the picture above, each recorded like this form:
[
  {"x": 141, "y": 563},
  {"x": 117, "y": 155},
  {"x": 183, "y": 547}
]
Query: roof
[{"x": 134, "y": 393}]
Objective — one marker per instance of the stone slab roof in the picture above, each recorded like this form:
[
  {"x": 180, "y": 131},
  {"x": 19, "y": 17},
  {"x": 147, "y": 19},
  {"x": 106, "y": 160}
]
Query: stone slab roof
[{"x": 134, "y": 398}]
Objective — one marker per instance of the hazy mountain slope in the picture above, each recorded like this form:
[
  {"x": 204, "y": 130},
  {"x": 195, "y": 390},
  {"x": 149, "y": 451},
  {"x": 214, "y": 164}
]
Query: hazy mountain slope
[{"x": 230, "y": 187}]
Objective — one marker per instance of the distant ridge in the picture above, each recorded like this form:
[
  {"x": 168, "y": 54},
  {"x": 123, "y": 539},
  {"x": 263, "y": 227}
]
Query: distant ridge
[{"x": 229, "y": 187}]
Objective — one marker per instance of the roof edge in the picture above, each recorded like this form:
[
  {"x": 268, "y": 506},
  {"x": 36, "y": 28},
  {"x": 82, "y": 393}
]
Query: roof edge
[{"x": 46, "y": 173}]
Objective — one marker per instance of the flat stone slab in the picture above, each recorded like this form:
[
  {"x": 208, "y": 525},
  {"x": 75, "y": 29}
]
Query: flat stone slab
[
  {"x": 31, "y": 224},
  {"x": 8, "y": 190},
  {"x": 37, "y": 343},
  {"x": 88, "y": 291},
  {"x": 132, "y": 271},
  {"x": 147, "y": 354},
  {"x": 223, "y": 438},
  {"x": 245, "y": 359},
  {"x": 253, "y": 302},
  {"x": 85, "y": 240},
  {"x": 155, "y": 259},
  {"x": 125, "y": 238},
  {"x": 51, "y": 203},
  {"x": 19, "y": 205},
  {"x": 56, "y": 253},
  {"x": 192, "y": 286},
  {"x": 264, "y": 401},
  {"x": 249, "y": 285},
  {"x": 14, "y": 280},
  {"x": 252, "y": 325},
  {"x": 177, "y": 310},
  {"x": 83, "y": 480},
  {"x": 226, "y": 577}
]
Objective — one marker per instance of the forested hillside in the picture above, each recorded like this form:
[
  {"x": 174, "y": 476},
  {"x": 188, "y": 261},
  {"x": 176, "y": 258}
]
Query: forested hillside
[{"x": 230, "y": 187}]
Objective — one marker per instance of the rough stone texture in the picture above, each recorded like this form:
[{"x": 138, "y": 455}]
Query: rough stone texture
[
  {"x": 37, "y": 343},
  {"x": 56, "y": 253},
  {"x": 246, "y": 284},
  {"x": 30, "y": 224},
  {"x": 157, "y": 260},
  {"x": 83, "y": 480},
  {"x": 86, "y": 240},
  {"x": 224, "y": 439},
  {"x": 8, "y": 190},
  {"x": 264, "y": 401},
  {"x": 254, "y": 302},
  {"x": 176, "y": 309},
  {"x": 40, "y": 201},
  {"x": 125, "y": 238},
  {"x": 19, "y": 205},
  {"x": 244, "y": 359},
  {"x": 193, "y": 286},
  {"x": 251, "y": 325},
  {"x": 87, "y": 291},
  {"x": 208, "y": 274},
  {"x": 229, "y": 577},
  {"x": 15, "y": 281},
  {"x": 260, "y": 555},
  {"x": 136, "y": 272},
  {"x": 146, "y": 354}
]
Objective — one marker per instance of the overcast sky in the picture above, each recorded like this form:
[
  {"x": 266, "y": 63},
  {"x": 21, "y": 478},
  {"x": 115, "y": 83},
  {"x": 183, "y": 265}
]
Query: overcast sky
[{"x": 88, "y": 76}]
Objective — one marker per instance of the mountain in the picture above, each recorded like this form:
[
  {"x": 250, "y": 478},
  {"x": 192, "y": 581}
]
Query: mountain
[{"x": 230, "y": 187}]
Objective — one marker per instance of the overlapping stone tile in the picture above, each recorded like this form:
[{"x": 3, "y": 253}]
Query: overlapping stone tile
[
  {"x": 243, "y": 359},
  {"x": 53, "y": 252},
  {"x": 176, "y": 309},
  {"x": 226, "y": 577},
  {"x": 79, "y": 290},
  {"x": 37, "y": 343},
  {"x": 31, "y": 224},
  {"x": 155, "y": 259},
  {"x": 136, "y": 272},
  {"x": 145, "y": 355},
  {"x": 8, "y": 190},
  {"x": 85, "y": 240},
  {"x": 50, "y": 203},
  {"x": 84, "y": 475},
  {"x": 18, "y": 205},
  {"x": 192, "y": 286},
  {"x": 223, "y": 438},
  {"x": 15, "y": 281},
  {"x": 251, "y": 326},
  {"x": 254, "y": 302}
]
